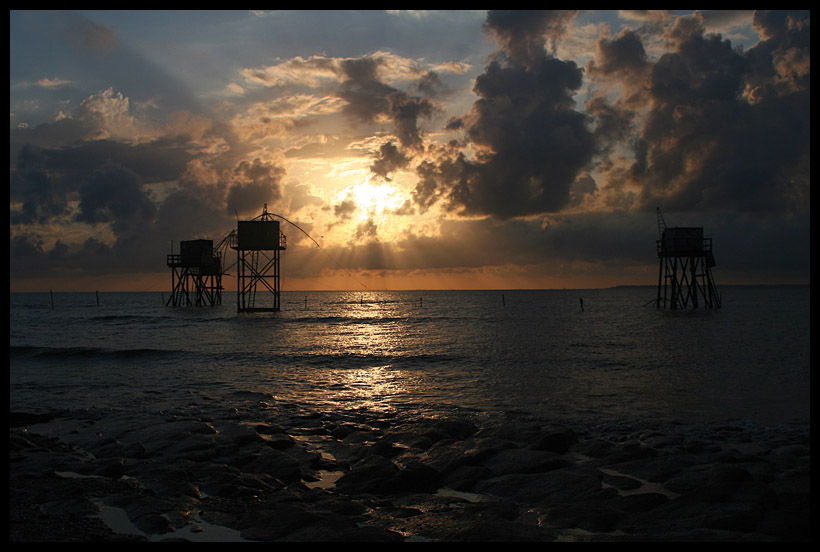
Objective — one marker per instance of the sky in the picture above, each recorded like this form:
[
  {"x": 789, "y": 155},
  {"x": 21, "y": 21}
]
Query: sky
[{"x": 409, "y": 149}]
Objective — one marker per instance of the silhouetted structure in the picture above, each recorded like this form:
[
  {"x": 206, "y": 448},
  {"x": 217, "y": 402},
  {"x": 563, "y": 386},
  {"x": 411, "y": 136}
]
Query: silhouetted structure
[
  {"x": 196, "y": 274},
  {"x": 258, "y": 244},
  {"x": 685, "y": 273}
]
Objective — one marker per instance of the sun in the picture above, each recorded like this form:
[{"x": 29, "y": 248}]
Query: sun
[{"x": 375, "y": 200}]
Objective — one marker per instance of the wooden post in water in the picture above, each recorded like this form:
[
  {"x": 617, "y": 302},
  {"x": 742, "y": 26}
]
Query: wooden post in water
[
  {"x": 52, "y": 299},
  {"x": 98, "y": 298},
  {"x": 305, "y": 302}
]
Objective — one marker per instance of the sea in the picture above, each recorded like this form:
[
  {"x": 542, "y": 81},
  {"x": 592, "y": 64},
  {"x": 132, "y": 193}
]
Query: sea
[{"x": 589, "y": 355}]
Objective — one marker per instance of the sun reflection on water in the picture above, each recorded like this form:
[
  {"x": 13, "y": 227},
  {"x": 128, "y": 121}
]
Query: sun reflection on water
[
  {"x": 373, "y": 388},
  {"x": 376, "y": 333}
]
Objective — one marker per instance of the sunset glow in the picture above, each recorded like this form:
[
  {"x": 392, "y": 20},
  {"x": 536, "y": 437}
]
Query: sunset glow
[{"x": 465, "y": 149}]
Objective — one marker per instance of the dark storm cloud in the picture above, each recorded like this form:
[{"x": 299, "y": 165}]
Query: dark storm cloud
[
  {"x": 532, "y": 142},
  {"x": 782, "y": 62},
  {"x": 254, "y": 184},
  {"x": 388, "y": 159},
  {"x": 365, "y": 94},
  {"x": 113, "y": 194},
  {"x": 368, "y": 98},
  {"x": 46, "y": 177},
  {"x": 728, "y": 129},
  {"x": 41, "y": 197},
  {"x": 67, "y": 177},
  {"x": 522, "y": 32},
  {"x": 429, "y": 84},
  {"x": 718, "y": 133},
  {"x": 112, "y": 167},
  {"x": 623, "y": 58},
  {"x": 345, "y": 209}
]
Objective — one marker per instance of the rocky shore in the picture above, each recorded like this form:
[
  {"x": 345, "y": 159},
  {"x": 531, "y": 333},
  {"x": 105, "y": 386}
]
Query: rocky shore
[{"x": 298, "y": 475}]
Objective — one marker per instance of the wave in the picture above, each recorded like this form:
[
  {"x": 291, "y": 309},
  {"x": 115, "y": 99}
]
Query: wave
[
  {"x": 335, "y": 360},
  {"x": 83, "y": 352},
  {"x": 337, "y": 319},
  {"x": 358, "y": 360}
]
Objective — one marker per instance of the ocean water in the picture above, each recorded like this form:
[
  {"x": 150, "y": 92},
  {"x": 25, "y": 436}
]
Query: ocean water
[{"x": 421, "y": 353}]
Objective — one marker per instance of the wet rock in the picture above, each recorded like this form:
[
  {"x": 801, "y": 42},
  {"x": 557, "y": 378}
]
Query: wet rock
[
  {"x": 113, "y": 468},
  {"x": 464, "y": 478},
  {"x": 367, "y": 476},
  {"x": 71, "y": 507},
  {"x": 556, "y": 439},
  {"x": 639, "y": 502},
  {"x": 274, "y": 463},
  {"x": 523, "y": 461},
  {"x": 277, "y": 521},
  {"x": 554, "y": 486},
  {"x": 425, "y": 433},
  {"x": 447, "y": 455},
  {"x": 153, "y": 524},
  {"x": 519, "y": 479},
  {"x": 593, "y": 518},
  {"x": 22, "y": 419}
]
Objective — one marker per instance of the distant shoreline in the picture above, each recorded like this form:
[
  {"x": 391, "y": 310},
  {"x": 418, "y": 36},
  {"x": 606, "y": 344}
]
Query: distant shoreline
[{"x": 500, "y": 290}]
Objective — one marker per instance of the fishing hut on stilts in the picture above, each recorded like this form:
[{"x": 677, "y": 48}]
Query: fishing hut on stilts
[
  {"x": 258, "y": 244},
  {"x": 685, "y": 272},
  {"x": 196, "y": 274}
]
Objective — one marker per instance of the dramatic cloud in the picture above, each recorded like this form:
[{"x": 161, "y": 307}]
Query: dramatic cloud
[
  {"x": 708, "y": 144},
  {"x": 536, "y": 142},
  {"x": 254, "y": 184},
  {"x": 530, "y": 141}
]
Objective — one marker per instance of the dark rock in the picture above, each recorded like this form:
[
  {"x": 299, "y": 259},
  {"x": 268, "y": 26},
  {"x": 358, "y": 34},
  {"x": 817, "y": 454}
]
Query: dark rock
[
  {"x": 464, "y": 478},
  {"x": 557, "y": 440},
  {"x": 70, "y": 507},
  {"x": 378, "y": 475},
  {"x": 524, "y": 461},
  {"x": 594, "y": 518},
  {"x": 455, "y": 429},
  {"x": 621, "y": 482},
  {"x": 279, "y": 441},
  {"x": 555, "y": 486},
  {"x": 154, "y": 524},
  {"x": 114, "y": 468},
  {"x": 274, "y": 463},
  {"x": 521, "y": 480},
  {"x": 268, "y": 429},
  {"x": 639, "y": 502},
  {"x": 595, "y": 448},
  {"x": 368, "y": 475},
  {"x": 721, "y": 483},
  {"x": 466, "y": 522},
  {"x": 340, "y": 432},
  {"x": 423, "y": 435},
  {"x": 414, "y": 477},
  {"x": 21, "y": 419},
  {"x": 448, "y": 454},
  {"x": 277, "y": 521},
  {"x": 349, "y": 532},
  {"x": 386, "y": 449}
]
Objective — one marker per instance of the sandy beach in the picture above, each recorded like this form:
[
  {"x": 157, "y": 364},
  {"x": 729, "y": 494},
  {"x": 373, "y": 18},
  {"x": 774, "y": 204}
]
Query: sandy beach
[{"x": 300, "y": 475}]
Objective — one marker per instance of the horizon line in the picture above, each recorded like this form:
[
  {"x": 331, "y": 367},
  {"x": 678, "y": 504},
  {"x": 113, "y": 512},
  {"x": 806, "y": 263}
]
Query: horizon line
[{"x": 382, "y": 290}]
